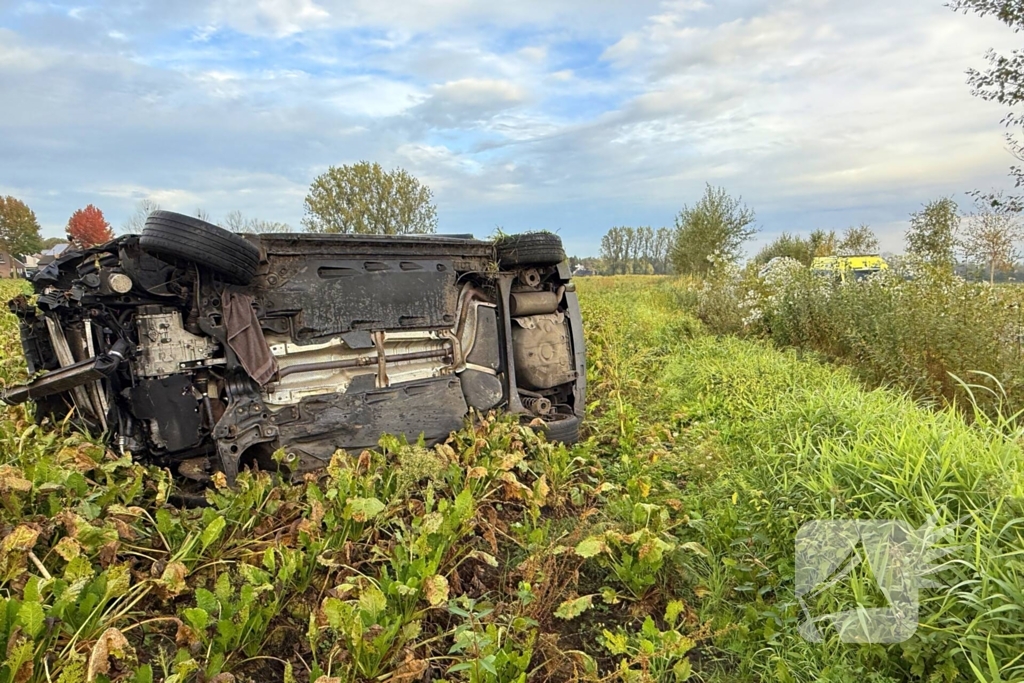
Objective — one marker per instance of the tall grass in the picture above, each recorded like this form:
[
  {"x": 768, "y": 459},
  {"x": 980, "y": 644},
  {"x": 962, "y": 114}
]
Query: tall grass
[
  {"x": 930, "y": 335},
  {"x": 806, "y": 443},
  {"x": 745, "y": 443}
]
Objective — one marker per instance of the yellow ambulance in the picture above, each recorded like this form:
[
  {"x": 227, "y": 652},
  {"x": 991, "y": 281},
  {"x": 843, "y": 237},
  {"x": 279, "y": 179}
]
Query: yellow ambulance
[{"x": 848, "y": 268}]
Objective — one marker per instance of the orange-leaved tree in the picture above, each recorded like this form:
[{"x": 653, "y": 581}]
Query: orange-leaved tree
[{"x": 87, "y": 227}]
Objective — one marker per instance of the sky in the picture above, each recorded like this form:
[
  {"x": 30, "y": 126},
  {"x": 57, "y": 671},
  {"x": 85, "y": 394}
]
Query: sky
[{"x": 566, "y": 115}]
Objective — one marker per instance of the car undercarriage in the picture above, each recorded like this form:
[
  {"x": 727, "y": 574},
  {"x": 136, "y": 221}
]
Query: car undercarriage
[{"x": 205, "y": 351}]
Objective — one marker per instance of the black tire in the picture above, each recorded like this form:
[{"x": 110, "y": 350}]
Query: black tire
[
  {"x": 174, "y": 236},
  {"x": 529, "y": 249},
  {"x": 562, "y": 429}
]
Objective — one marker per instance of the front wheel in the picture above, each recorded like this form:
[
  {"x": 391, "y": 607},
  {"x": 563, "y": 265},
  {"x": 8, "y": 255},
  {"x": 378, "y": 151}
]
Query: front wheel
[
  {"x": 529, "y": 249},
  {"x": 174, "y": 236}
]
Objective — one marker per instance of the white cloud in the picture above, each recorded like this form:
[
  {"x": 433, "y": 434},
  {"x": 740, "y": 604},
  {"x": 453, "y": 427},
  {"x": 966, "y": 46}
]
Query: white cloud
[
  {"x": 273, "y": 17},
  {"x": 469, "y": 101},
  {"x": 578, "y": 113}
]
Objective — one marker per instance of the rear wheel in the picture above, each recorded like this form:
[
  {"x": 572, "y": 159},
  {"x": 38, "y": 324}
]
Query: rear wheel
[
  {"x": 562, "y": 428},
  {"x": 173, "y": 236},
  {"x": 529, "y": 249}
]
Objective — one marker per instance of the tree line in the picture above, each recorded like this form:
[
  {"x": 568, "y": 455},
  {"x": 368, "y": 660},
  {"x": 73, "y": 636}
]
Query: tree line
[
  {"x": 645, "y": 251},
  {"x": 712, "y": 232}
]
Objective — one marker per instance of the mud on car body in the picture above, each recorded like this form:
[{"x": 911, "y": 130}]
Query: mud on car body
[{"x": 202, "y": 350}]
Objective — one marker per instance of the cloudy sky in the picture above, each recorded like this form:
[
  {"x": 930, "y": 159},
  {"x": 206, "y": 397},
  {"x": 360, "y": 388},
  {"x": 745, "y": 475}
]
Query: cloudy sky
[{"x": 568, "y": 115}]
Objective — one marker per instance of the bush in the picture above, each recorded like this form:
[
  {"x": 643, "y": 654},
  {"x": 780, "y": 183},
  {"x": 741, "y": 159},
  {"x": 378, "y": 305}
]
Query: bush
[{"x": 929, "y": 335}]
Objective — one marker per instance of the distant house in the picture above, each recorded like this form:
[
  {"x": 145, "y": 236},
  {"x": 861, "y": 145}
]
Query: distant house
[
  {"x": 10, "y": 266},
  {"x": 53, "y": 253},
  {"x": 582, "y": 271},
  {"x": 45, "y": 257}
]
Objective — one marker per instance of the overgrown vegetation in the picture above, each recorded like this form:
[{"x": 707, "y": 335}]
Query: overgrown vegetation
[
  {"x": 659, "y": 550},
  {"x": 740, "y": 444},
  {"x": 919, "y": 328}
]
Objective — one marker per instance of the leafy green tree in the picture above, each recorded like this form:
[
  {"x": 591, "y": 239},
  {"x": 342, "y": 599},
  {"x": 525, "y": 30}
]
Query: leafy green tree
[
  {"x": 365, "y": 199},
  {"x": 1002, "y": 82},
  {"x": 711, "y": 232},
  {"x": 857, "y": 241},
  {"x": 19, "y": 229},
  {"x": 823, "y": 243},
  {"x": 786, "y": 246},
  {"x": 933, "y": 233}
]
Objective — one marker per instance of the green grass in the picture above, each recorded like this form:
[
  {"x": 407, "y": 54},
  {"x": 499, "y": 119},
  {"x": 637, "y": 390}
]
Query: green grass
[
  {"x": 661, "y": 549},
  {"x": 742, "y": 443}
]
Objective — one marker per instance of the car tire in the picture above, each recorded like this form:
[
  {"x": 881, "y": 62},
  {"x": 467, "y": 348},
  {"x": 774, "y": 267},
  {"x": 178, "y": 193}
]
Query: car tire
[
  {"x": 529, "y": 249},
  {"x": 564, "y": 429},
  {"x": 172, "y": 236}
]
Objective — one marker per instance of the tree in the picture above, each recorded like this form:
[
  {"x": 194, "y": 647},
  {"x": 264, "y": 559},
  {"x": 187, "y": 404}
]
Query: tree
[
  {"x": 636, "y": 250},
  {"x": 823, "y": 243},
  {"x": 365, "y": 199},
  {"x": 51, "y": 242},
  {"x": 933, "y": 233},
  {"x": 990, "y": 237},
  {"x": 857, "y": 242},
  {"x": 661, "y": 250},
  {"x": 19, "y": 229},
  {"x": 613, "y": 251},
  {"x": 786, "y": 246},
  {"x": 236, "y": 222},
  {"x": 1001, "y": 82},
  {"x": 711, "y": 232},
  {"x": 87, "y": 227},
  {"x": 137, "y": 221}
]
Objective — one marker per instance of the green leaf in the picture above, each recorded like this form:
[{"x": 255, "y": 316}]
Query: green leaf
[
  {"x": 363, "y": 509},
  {"x": 197, "y": 618},
  {"x": 31, "y": 618},
  {"x": 144, "y": 674},
  {"x": 993, "y": 665},
  {"x": 119, "y": 580},
  {"x": 212, "y": 531},
  {"x": 673, "y": 610},
  {"x": 463, "y": 508},
  {"x": 649, "y": 628},
  {"x": 590, "y": 547},
  {"x": 372, "y": 601},
  {"x": 570, "y": 609},
  {"x": 207, "y": 601},
  {"x": 223, "y": 588},
  {"x": 616, "y": 643},
  {"x": 336, "y": 612},
  {"x": 682, "y": 670}
]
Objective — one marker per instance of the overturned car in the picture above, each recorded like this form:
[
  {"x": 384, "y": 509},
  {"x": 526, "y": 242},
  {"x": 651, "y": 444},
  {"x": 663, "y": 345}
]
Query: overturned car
[{"x": 202, "y": 350}]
